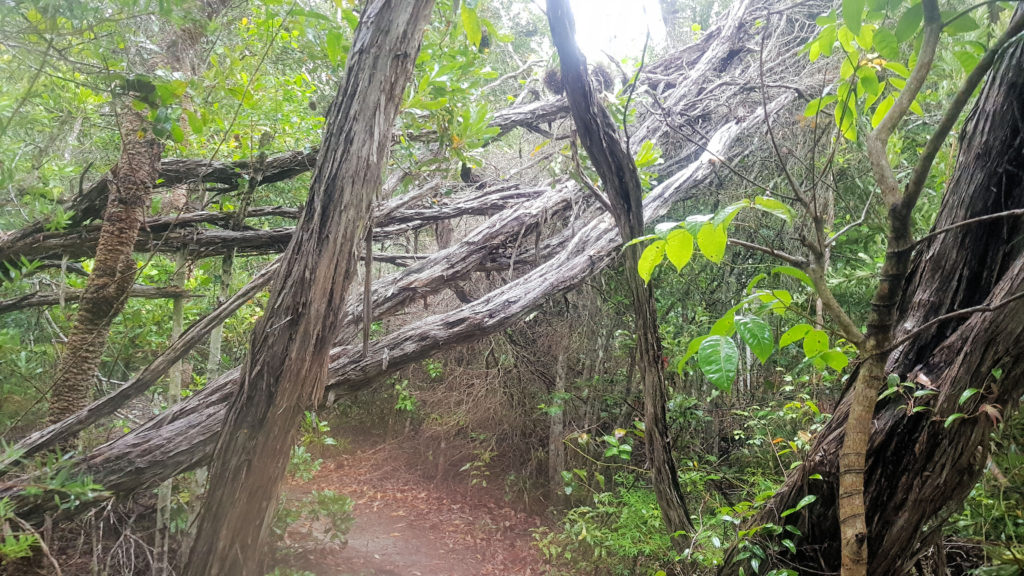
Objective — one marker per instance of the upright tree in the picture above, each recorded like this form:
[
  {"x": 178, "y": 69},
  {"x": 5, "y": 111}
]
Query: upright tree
[
  {"x": 286, "y": 367},
  {"x": 621, "y": 181}
]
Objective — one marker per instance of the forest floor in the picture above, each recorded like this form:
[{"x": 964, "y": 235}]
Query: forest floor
[{"x": 408, "y": 526}]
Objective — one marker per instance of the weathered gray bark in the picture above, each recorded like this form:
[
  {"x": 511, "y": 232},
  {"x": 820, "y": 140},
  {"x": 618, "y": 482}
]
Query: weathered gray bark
[
  {"x": 172, "y": 234},
  {"x": 182, "y": 438},
  {"x": 285, "y": 369},
  {"x": 919, "y": 470},
  {"x": 621, "y": 181}
]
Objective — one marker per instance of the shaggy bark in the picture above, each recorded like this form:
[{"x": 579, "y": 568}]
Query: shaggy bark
[
  {"x": 621, "y": 180},
  {"x": 42, "y": 299},
  {"x": 919, "y": 470},
  {"x": 172, "y": 234},
  {"x": 285, "y": 368},
  {"x": 113, "y": 272}
]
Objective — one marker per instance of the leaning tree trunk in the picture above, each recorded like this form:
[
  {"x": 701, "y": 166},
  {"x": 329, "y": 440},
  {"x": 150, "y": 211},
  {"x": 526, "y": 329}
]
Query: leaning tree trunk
[
  {"x": 285, "y": 370},
  {"x": 919, "y": 470},
  {"x": 625, "y": 198},
  {"x": 113, "y": 272}
]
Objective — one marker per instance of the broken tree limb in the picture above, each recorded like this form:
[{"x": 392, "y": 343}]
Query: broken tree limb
[
  {"x": 171, "y": 234},
  {"x": 67, "y": 428},
  {"x": 41, "y": 299},
  {"x": 182, "y": 438}
]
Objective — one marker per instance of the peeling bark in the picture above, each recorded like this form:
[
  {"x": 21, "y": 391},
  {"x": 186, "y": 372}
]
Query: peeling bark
[{"x": 285, "y": 368}]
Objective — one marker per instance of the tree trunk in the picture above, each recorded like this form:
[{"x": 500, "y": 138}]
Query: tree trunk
[
  {"x": 286, "y": 368},
  {"x": 918, "y": 469},
  {"x": 620, "y": 177},
  {"x": 113, "y": 272},
  {"x": 556, "y": 430}
]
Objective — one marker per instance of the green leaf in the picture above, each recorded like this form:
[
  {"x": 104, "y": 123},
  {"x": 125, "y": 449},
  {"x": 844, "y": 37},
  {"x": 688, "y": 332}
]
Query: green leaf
[
  {"x": 725, "y": 216},
  {"x": 916, "y": 108},
  {"x": 794, "y": 334},
  {"x": 177, "y": 134},
  {"x": 795, "y": 273},
  {"x": 649, "y": 259},
  {"x": 868, "y": 81},
  {"x": 335, "y": 46},
  {"x": 866, "y": 36},
  {"x": 195, "y": 122},
  {"x": 827, "y": 40},
  {"x": 846, "y": 119},
  {"x": 803, "y": 502},
  {"x": 886, "y": 44},
  {"x": 835, "y": 359},
  {"x": 909, "y": 22},
  {"x": 968, "y": 60},
  {"x": 725, "y": 325},
  {"x": 773, "y": 206},
  {"x": 815, "y": 342},
  {"x": 814, "y": 107},
  {"x": 853, "y": 12},
  {"x": 757, "y": 335},
  {"x": 472, "y": 25},
  {"x": 953, "y": 418},
  {"x": 967, "y": 394},
  {"x": 679, "y": 248},
  {"x": 718, "y": 359},
  {"x": 961, "y": 25},
  {"x": 712, "y": 240},
  {"x": 897, "y": 68},
  {"x": 691, "y": 350},
  {"x": 882, "y": 110}
]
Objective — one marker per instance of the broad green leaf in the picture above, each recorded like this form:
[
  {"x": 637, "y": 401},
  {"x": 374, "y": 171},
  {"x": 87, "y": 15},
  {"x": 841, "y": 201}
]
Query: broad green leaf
[
  {"x": 803, "y": 502},
  {"x": 868, "y": 81},
  {"x": 915, "y": 107},
  {"x": 650, "y": 258},
  {"x": 827, "y": 40},
  {"x": 853, "y": 12},
  {"x": 724, "y": 326},
  {"x": 847, "y": 39},
  {"x": 882, "y": 110},
  {"x": 835, "y": 359},
  {"x": 177, "y": 134},
  {"x": 826, "y": 19},
  {"x": 718, "y": 359},
  {"x": 967, "y": 394},
  {"x": 712, "y": 240},
  {"x": 663, "y": 228},
  {"x": 757, "y": 335},
  {"x": 866, "y": 36},
  {"x": 795, "y": 273},
  {"x": 967, "y": 59},
  {"x": 846, "y": 119},
  {"x": 195, "y": 122},
  {"x": 953, "y": 418},
  {"x": 472, "y": 25},
  {"x": 961, "y": 25},
  {"x": 691, "y": 350},
  {"x": 815, "y": 106},
  {"x": 779, "y": 299},
  {"x": 335, "y": 46},
  {"x": 897, "y": 68},
  {"x": 846, "y": 69},
  {"x": 886, "y": 44},
  {"x": 725, "y": 216},
  {"x": 815, "y": 342},
  {"x": 679, "y": 248},
  {"x": 794, "y": 334},
  {"x": 909, "y": 22},
  {"x": 773, "y": 206}
]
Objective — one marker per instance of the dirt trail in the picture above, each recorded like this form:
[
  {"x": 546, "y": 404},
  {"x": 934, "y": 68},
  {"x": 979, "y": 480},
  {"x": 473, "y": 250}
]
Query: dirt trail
[{"x": 406, "y": 526}]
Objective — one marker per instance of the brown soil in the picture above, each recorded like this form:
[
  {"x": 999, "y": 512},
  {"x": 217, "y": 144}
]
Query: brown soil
[{"x": 408, "y": 526}]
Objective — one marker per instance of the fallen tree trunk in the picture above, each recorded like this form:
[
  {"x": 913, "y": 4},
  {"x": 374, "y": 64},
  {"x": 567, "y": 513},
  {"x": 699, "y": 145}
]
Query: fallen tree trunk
[
  {"x": 224, "y": 177},
  {"x": 182, "y": 438},
  {"x": 41, "y": 299},
  {"x": 920, "y": 464},
  {"x": 174, "y": 234}
]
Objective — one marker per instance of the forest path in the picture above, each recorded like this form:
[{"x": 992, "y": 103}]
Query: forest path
[{"x": 408, "y": 526}]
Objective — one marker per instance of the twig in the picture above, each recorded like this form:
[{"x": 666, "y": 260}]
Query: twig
[
  {"x": 632, "y": 88},
  {"x": 969, "y": 222},
  {"x": 854, "y": 224},
  {"x": 794, "y": 260},
  {"x": 42, "y": 544},
  {"x": 952, "y": 315}
]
